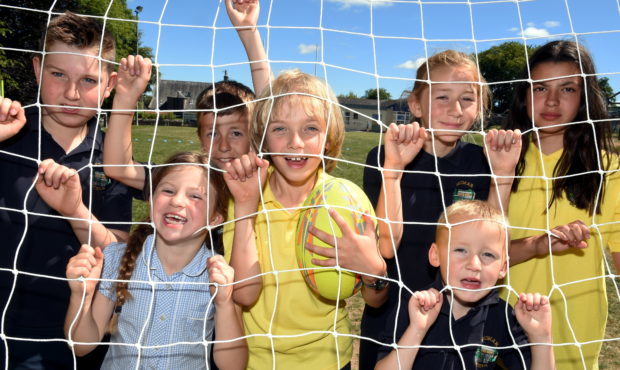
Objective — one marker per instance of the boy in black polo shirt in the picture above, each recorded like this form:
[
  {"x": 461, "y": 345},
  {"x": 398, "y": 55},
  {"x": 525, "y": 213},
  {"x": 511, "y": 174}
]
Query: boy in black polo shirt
[
  {"x": 468, "y": 326},
  {"x": 56, "y": 142}
]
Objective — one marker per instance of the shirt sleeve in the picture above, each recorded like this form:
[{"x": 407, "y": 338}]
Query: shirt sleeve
[
  {"x": 115, "y": 211},
  {"x": 372, "y": 177},
  {"x": 112, "y": 255}
]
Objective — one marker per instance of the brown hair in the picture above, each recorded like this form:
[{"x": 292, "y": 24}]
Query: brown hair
[
  {"x": 450, "y": 58},
  {"x": 142, "y": 231},
  {"x": 80, "y": 32},
  {"x": 322, "y": 105},
  {"x": 227, "y": 97}
]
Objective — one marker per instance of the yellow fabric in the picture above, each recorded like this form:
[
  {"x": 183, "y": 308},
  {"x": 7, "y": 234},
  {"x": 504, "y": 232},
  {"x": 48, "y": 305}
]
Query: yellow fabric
[
  {"x": 298, "y": 311},
  {"x": 586, "y": 302}
]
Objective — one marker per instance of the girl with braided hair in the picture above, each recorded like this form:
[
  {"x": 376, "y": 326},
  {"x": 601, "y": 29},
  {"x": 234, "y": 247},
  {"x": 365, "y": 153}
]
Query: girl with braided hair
[{"x": 163, "y": 294}]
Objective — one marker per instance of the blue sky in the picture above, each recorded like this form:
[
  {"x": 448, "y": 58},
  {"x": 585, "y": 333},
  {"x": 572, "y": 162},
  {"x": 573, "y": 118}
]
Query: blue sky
[{"x": 349, "y": 58}]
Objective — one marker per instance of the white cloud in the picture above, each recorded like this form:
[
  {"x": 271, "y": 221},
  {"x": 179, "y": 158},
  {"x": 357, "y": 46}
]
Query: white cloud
[
  {"x": 307, "y": 49},
  {"x": 535, "y": 32},
  {"x": 412, "y": 64},
  {"x": 551, "y": 24},
  {"x": 349, "y": 3}
]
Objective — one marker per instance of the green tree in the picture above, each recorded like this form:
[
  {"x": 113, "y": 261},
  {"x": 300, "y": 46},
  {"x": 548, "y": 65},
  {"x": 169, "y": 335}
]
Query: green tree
[
  {"x": 25, "y": 27},
  {"x": 608, "y": 91},
  {"x": 503, "y": 63},
  {"x": 372, "y": 94},
  {"x": 350, "y": 95}
]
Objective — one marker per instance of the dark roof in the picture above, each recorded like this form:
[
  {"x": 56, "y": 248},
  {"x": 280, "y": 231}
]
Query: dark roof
[
  {"x": 397, "y": 105},
  {"x": 178, "y": 89}
]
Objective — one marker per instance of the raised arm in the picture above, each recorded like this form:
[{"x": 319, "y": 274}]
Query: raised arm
[
  {"x": 228, "y": 323},
  {"x": 243, "y": 15},
  {"x": 502, "y": 148},
  {"x": 245, "y": 178},
  {"x": 402, "y": 145},
  {"x": 533, "y": 313},
  {"x": 60, "y": 189},
  {"x": 96, "y": 309},
  {"x": 133, "y": 76}
]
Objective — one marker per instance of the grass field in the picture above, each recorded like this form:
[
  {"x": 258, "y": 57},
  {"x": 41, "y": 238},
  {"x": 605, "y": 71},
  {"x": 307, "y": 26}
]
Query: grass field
[{"x": 356, "y": 146}]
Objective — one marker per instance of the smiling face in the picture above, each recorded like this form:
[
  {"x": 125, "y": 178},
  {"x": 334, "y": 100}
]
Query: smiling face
[
  {"x": 225, "y": 138},
  {"x": 72, "y": 81},
  {"x": 180, "y": 206},
  {"x": 292, "y": 133},
  {"x": 447, "y": 106},
  {"x": 473, "y": 258},
  {"x": 557, "y": 98}
]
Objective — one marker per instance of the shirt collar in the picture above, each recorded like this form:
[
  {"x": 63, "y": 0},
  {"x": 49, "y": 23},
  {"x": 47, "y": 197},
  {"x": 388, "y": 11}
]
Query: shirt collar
[
  {"x": 196, "y": 267},
  {"x": 268, "y": 196}
]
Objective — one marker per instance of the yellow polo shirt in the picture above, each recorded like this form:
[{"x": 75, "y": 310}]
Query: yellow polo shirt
[
  {"x": 584, "y": 305},
  {"x": 286, "y": 306}
]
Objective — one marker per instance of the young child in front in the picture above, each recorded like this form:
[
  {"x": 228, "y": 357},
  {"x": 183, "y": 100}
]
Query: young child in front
[
  {"x": 570, "y": 151},
  {"x": 448, "y": 98},
  {"x": 179, "y": 258},
  {"x": 300, "y": 128},
  {"x": 45, "y": 145},
  {"x": 462, "y": 307}
]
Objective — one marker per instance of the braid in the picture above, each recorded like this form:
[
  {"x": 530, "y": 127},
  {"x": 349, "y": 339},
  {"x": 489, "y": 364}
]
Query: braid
[{"x": 127, "y": 266}]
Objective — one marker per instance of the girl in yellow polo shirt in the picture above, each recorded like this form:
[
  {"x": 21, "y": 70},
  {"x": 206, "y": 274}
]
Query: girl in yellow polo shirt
[{"x": 568, "y": 184}]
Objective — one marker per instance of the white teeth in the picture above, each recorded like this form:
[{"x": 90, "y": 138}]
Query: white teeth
[
  {"x": 296, "y": 159},
  {"x": 175, "y": 219}
]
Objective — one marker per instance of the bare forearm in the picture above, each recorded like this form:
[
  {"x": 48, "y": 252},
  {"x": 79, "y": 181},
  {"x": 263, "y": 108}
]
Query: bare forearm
[
  {"x": 542, "y": 355},
  {"x": 244, "y": 259},
  {"x": 93, "y": 233},
  {"x": 228, "y": 326},
  {"x": 85, "y": 329},
  {"x": 259, "y": 66},
  {"x": 404, "y": 356},
  {"x": 524, "y": 249},
  {"x": 499, "y": 193},
  {"x": 389, "y": 207}
]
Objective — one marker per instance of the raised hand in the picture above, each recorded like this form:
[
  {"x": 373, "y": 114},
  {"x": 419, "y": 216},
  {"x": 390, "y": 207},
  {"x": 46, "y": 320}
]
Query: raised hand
[
  {"x": 133, "y": 77},
  {"x": 12, "y": 118},
  {"x": 88, "y": 264},
  {"x": 503, "y": 148},
  {"x": 243, "y": 13},
  {"x": 402, "y": 145},
  {"x": 357, "y": 252},
  {"x": 424, "y": 307},
  {"x": 533, "y": 313},
  {"x": 245, "y": 177},
  {"x": 59, "y": 187},
  {"x": 221, "y": 273}
]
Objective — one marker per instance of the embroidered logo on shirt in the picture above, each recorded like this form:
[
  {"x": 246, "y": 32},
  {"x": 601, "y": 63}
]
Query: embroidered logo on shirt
[
  {"x": 100, "y": 180},
  {"x": 485, "y": 356},
  {"x": 464, "y": 190}
]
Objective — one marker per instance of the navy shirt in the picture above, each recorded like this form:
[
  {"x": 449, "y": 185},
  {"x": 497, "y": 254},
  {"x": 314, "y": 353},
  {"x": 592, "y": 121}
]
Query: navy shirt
[
  {"x": 38, "y": 306},
  {"x": 463, "y": 174},
  {"x": 484, "y": 329}
]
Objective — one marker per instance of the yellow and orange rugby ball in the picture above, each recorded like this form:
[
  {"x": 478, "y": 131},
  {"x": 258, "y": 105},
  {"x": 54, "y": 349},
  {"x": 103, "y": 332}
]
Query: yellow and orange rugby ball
[{"x": 351, "y": 203}]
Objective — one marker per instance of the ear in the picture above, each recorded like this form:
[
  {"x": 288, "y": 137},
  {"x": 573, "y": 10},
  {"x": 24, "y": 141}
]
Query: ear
[
  {"x": 216, "y": 219},
  {"x": 36, "y": 65},
  {"x": 414, "y": 105},
  {"x": 433, "y": 255},
  {"x": 504, "y": 270},
  {"x": 111, "y": 83}
]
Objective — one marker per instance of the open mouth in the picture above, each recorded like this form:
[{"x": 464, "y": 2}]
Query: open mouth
[
  {"x": 470, "y": 283},
  {"x": 296, "y": 161},
  {"x": 173, "y": 219}
]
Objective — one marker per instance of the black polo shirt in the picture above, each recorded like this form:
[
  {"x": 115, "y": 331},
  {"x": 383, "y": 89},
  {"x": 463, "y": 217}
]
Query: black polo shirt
[
  {"x": 463, "y": 174},
  {"x": 482, "y": 331},
  {"x": 38, "y": 306}
]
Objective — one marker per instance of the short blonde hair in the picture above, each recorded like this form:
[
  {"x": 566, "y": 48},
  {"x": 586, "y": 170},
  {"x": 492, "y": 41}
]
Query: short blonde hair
[
  {"x": 314, "y": 96},
  {"x": 471, "y": 210},
  {"x": 450, "y": 58}
]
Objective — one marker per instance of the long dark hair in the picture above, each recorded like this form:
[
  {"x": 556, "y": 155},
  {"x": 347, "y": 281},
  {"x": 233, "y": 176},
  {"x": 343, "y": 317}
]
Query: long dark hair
[
  {"x": 142, "y": 231},
  {"x": 581, "y": 141}
]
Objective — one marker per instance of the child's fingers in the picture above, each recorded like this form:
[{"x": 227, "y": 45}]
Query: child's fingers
[
  {"x": 507, "y": 140},
  {"x": 131, "y": 60},
  {"x": 369, "y": 226},
  {"x": 5, "y": 108},
  {"x": 321, "y": 251},
  {"x": 490, "y": 139},
  {"x": 406, "y": 133},
  {"x": 392, "y": 133},
  {"x": 419, "y": 133},
  {"x": 123, "y": 64}
]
